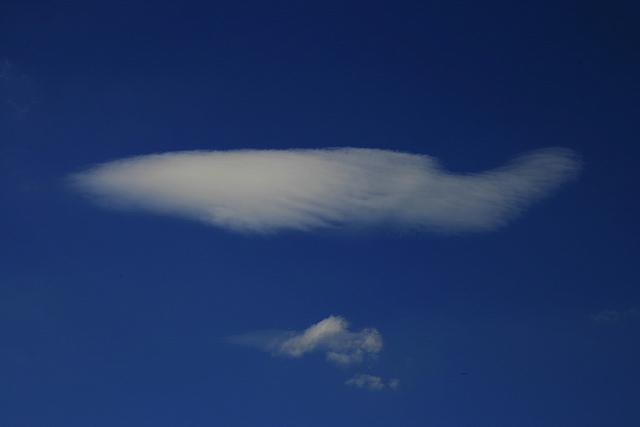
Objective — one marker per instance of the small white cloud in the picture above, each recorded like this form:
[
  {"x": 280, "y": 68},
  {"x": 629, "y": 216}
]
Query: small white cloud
[
  {"x": 372, "y": 382},
  {"x": 272, "y": 190},
  {"x": 330, "y": 336}
]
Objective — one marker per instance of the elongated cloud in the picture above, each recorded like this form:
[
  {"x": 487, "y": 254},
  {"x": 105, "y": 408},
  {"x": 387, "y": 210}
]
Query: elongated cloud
[
  {"x": 330, "y": 336},
  {"x": 372, "y": 382},
  {"x": 263, "y": 191},
  {"x": 615, "y": 316}
]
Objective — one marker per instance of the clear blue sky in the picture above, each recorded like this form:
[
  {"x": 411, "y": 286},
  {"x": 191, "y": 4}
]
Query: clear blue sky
[{"x": 123, "y": 318}]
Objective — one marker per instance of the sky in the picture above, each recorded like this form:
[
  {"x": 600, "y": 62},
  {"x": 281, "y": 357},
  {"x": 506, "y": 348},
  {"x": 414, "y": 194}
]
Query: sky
[{"x": 410, "y": 213}]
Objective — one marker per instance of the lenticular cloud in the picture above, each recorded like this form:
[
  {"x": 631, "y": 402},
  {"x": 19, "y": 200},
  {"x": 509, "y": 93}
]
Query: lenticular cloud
[{"x": 272, "y": 190}]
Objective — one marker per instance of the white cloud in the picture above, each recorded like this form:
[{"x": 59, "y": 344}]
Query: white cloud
[
  {"x": 372, "y": 382},
  {"x": 330, "y": 336},
  {"x": 271, "y": 190}
]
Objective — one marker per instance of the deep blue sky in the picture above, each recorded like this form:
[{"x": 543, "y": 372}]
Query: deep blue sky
[{"x": 111, "y": 319}]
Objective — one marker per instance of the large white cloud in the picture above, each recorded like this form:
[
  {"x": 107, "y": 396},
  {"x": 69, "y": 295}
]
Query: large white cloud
[
  {"x": 330, "y": 336},
  {"x": 270, "y": 190}
]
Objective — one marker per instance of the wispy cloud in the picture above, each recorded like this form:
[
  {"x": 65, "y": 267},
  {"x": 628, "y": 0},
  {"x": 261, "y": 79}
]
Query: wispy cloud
[
  {"x": 615, "y": 316},
  {"x": 372, "y": 382},
  {"x": 17, "y": 91},
  {"x": 271, "y": 190},
  {"x": 330, "y": 336}
]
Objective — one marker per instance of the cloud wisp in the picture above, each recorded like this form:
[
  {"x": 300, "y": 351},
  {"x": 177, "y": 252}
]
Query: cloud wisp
[
  {"x": 272, "y": 190},
  {"x": 372, "y": 382},
  {"x": 330, "y": 336},
  {"x": 17, "y": 90},
  {"x": 609, "y": 317}
]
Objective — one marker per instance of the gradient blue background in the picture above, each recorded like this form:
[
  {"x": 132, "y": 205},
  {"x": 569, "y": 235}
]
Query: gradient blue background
[{"x": 110, "y": 319}]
